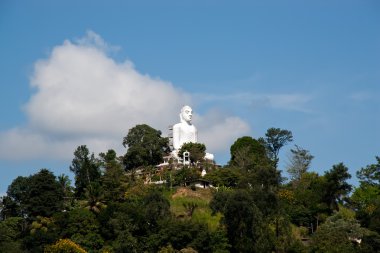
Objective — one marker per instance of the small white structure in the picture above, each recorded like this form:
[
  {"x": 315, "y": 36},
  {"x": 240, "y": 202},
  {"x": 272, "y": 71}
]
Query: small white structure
[{"x": 186, "y": 158}]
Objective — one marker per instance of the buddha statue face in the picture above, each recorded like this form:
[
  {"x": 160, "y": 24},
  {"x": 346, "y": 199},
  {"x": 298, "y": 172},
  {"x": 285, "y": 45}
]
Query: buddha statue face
[{"x": 186, "y": 113}]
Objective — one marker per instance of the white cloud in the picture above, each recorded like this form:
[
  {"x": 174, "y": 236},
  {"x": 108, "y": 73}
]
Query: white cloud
[
  {"x": 215, "y": 124},
  {"x": 82, "y": 96}
]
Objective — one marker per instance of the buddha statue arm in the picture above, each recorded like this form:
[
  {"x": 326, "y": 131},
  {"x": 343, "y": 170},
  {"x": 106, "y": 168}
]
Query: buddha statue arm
[{"x": 176, "y": 137}]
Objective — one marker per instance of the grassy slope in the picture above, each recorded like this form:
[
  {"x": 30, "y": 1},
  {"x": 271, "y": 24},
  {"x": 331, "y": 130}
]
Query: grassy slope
[{"x": 200, "y": 197}]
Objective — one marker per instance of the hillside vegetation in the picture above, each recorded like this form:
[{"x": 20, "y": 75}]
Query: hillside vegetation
[{"x": 126, "y": 203}]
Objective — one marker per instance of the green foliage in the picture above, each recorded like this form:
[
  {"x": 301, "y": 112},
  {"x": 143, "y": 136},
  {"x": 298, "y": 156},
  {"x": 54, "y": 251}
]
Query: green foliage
[
  {"x": 336, "y": 187},
  {"x": 304, "y": 201},
  {"x": 197, "y": 151},
  {"x": 243, "y": 220},
  {"x": 10, "y": 234},
  {"x": 249, "y": 211},
  {"x": 338, "y": 234},
  {"x": 45, "y": 195},
  {"x": 370, "y": 174},
  {"x": 247, "y": 154},
  {"x": 299, "y": 162},
  {"x": 182, "y": 234},
  {"x": 145, "y": 147},
  {"x": 86, "y": 169},
  {"x": 186, "y": 174},
  {"x": 83, "y": 228},
  {"x": 114, "y": 181},
  {"x": 64, "y": 246},
  {"x": 94, "y": 198},
  {"x": 38, "y": 194},
  {"x": 184, "y": 198},
  {"x": 228, "y": 177},
  {"x": 68, "y": 191},
  {"x": 275, "y": 139},
  {"x": 15, "y": 203}
]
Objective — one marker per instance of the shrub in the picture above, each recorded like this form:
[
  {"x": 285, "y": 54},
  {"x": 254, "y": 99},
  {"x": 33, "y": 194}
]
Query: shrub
[{"x": 64, "y": 246}]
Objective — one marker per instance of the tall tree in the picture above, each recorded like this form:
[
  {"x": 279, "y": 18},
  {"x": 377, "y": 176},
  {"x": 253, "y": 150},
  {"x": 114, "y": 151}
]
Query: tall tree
[
  {"x": 244, "y": 223},
  {"x": 85, "y": 168},
  {"x": 299, "y": 162},
  {"x": 45, "y": 195},
  {"x": 248, "y": 153},
  {"x": 145, "y": 147},
  {"x": 336, "y": 185},
  {"x": 113, "y": 180},
  {"x": 371, "y": 173},
  {"x": 14, "y": 204},
  {"x": 68, "y": 191},
  {"x": 275, "y": 139},
  {"x": 338, "y": 233},
  {"x": 94, "y": 198}
]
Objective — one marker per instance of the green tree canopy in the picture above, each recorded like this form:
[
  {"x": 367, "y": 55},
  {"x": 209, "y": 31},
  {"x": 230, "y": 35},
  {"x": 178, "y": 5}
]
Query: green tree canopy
[
  {"x": 38, "y": 194},
  {"x": 85, "y": 168},
  {"x": 45, "y": 195},
  {"x": 299, "y": 162},
  {"x": 14, "y": 204},
  {"x": 336, "y": 187},
  {"x": 371, "y": 173},
  {"x": 145, "y": 147},
  {"x": 243, "y": 220},
  {"x": 114, "y": 180},
  {"x": 197, "y": 151},
  {"x": 275, "y": 139},
  {"x": 248, "y": 153}
]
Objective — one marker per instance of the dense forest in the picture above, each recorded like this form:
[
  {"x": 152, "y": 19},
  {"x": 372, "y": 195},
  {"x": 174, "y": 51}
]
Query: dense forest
[{"x": 125, "y": 203}]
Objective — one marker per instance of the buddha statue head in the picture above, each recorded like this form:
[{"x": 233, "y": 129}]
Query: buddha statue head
[{"x": 186, "y": 114}]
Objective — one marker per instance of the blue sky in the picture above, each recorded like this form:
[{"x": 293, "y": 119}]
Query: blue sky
[{"x": 84, "y": 72}]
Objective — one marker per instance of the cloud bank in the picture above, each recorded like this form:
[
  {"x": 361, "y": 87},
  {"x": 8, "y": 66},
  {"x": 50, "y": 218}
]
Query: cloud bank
[{"x": 83, "y": 96}]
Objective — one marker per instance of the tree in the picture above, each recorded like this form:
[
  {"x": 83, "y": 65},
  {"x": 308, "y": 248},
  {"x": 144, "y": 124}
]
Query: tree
[
  {"x": 64, "y": 246},
  {"x": 155, "y": 208},
  {"x": 338, "y": 234},
  {"x": 145, "y": 147},
  {"x": 275, "y": 139},
  {"x": 248, "y": 153},
  {"x": 366, "y": 197},
  {"x": 85, "y": 168},
  {"x": 186, "y": 174},
  {"x": 227, "y": 177},
  {"x": 81, "y": 226},
  {"x": 244, "y": 224},
  {"x": 94, "y": 198},
  {"x": 304, "y": 201},
  {"x": 299, "y": 163},
  {"x": 38, "y": 194},
  {"x": 45, "y": 195},
  {"x": 197, "y": 151},
  {"x": 336, "y": 187},
  {"x": 14, "y": 204},
  {"x": 371, "y": 173},
  {"x": 114, "y": 181},
  {"x": 68, "y": 191},
  {"x": 10, "y": 233}
]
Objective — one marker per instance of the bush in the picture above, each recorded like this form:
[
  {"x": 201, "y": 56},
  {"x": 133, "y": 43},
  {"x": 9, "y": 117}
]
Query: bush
[{"x": 64, "y": 246}]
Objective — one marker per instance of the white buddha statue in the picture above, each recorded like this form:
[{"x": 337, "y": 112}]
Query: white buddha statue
[{"x": 185, "y": 131}]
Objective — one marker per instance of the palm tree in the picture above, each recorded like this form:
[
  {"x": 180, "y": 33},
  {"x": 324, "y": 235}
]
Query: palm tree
[{"x": 94, "y": 198}]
